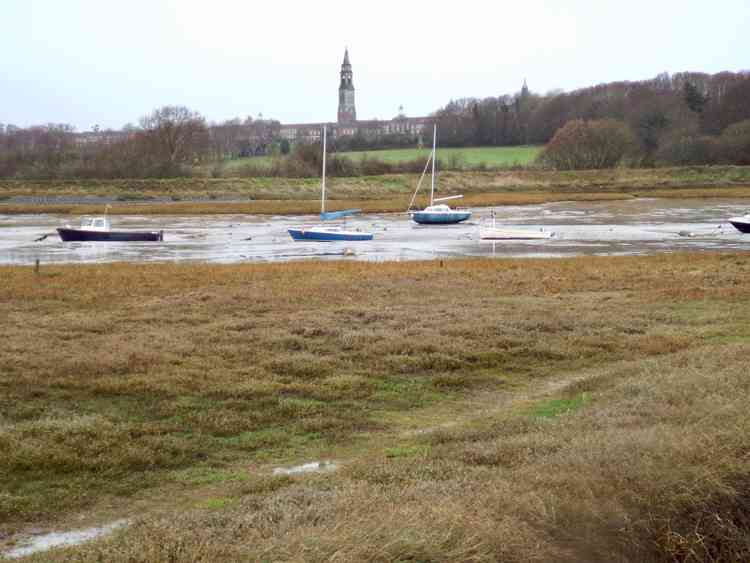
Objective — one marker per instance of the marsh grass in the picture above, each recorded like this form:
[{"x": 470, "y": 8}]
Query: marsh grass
[
  {"x": 125, "y": 379},
  {"x": 373, "y": 194}
]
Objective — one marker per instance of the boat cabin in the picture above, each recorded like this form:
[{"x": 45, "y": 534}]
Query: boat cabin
[
  {"x": 95, "y": 223},
  {"x": 440, "y": 208}
]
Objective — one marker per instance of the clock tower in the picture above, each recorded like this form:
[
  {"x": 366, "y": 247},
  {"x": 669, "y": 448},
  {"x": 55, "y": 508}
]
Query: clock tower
[{"x": 347, "y": 111}]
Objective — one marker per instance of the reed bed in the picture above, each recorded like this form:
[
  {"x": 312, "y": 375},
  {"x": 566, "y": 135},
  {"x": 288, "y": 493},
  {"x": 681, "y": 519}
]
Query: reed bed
[
  {"x": 386, "y": 193},
  {"x": 393, "y": 205}
]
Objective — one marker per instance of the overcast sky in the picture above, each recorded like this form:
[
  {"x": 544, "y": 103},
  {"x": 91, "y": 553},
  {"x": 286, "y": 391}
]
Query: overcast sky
[{"x": 88, "y": 62}]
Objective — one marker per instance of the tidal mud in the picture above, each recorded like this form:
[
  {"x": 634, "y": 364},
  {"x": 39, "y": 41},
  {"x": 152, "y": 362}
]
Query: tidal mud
[{"x": 636, "y": 226}]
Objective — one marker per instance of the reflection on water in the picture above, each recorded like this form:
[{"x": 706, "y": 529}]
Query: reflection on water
[{"x": 638, "y": 226}]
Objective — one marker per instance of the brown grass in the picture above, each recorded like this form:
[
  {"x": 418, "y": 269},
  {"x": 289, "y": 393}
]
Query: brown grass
[
  {"x": 583, "y": 409},
  {"x": 390, "y": 193},
  {"x": 311, "y": 207}
]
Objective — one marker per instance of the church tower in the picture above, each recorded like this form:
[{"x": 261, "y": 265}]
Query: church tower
[
  {"x": 524, "y": 90},
  {"x": 347, "y": 111}
]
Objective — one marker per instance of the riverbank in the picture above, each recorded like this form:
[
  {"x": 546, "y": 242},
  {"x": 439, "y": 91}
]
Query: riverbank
[
  {"x": 517, "y": 409},
  {"x": 375, "y": 194}
]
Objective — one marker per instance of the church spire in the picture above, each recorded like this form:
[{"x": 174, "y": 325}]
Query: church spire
[
  {"x": 347, "y": 111},
  {"x": 524, "y": 89}
]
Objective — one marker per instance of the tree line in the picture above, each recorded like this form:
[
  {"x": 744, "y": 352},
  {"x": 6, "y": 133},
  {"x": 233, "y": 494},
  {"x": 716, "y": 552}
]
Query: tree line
[
  {"x": 168, "y": 142},
  {"x": 685, "y": 118}
]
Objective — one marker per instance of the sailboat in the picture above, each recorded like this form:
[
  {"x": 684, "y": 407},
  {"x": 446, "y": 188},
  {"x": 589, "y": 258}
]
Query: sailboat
[
  {"x": 324, "y": 233},
  {"x": 440, "y": 214}
]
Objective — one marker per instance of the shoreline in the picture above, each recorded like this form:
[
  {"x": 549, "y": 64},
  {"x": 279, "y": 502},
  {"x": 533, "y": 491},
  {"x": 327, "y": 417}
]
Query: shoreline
[{"x": 88, "y": 205}]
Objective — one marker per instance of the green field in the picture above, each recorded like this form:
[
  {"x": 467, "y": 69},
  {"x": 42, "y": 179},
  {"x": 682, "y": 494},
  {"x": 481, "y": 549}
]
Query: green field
[
  {"x": 492, "y": 157},
  {"x": 468, "y": 157}
]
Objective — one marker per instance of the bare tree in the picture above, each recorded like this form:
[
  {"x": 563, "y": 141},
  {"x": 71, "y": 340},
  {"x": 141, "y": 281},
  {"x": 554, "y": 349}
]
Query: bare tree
[
  {"x": 586, "y": 145},
  {"x": 177, "y": 134},
  {"x": 225, "y": 138}
]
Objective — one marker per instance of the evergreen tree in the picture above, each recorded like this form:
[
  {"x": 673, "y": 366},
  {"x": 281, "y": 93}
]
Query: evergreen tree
[{"x": 693, "y": 98}]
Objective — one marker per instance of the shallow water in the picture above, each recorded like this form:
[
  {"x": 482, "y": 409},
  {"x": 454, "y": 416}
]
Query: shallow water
[
  {"x": 312, "y": 467},
  {"x": 44, "y": 542},
  {"x": 638, "y": 226}
]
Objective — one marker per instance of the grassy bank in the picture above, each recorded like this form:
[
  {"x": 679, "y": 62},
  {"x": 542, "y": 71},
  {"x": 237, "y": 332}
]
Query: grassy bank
[
  {"x": 515, "y": 409},
  {"x": 376, "y": 193}
]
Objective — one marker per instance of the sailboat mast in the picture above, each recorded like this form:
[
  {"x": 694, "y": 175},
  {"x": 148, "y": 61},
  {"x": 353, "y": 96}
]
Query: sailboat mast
[
  {"x": 323, "y": 181},
  {"x": 434, "y": 140}
]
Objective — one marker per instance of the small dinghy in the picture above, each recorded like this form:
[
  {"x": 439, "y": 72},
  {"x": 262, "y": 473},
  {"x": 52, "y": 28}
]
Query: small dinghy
[
  {"x": 742, "y": 224},
  {"x": 100, "y": 229},
  {"x": 493, "y": 232}
]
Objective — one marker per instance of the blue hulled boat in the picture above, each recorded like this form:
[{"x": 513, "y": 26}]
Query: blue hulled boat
[
  {"x": 327, "y": 234},
  {"x": 322, "y": 233},
  {"x": 440, "y": 214}
]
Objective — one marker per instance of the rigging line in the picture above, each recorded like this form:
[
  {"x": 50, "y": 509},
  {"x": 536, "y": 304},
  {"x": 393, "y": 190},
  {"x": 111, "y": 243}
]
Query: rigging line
[{"x": 413, "y": 197}]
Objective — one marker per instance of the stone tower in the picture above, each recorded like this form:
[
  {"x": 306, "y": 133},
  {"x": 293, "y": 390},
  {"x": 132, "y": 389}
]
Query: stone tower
[
  {"x": 347, "y": 111},
  {"x": 524, "y": 90}
]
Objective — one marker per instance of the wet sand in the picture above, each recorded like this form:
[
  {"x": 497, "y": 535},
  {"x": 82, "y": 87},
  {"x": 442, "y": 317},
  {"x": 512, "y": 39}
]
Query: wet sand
[{"x": 638, "y": 226}]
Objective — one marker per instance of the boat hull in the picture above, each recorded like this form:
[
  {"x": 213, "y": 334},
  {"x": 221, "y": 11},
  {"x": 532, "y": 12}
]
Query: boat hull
[
  {"x": 82, "y": 235},
  {"x": 742, "y": 225},
  {"x": 432, "y": 218},
  {"x": 322, "y": 235}
]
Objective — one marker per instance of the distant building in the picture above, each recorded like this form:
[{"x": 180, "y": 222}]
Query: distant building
[
  {"x": 347, "y": 123},
  {"x": 255, "y": 137},
  {"x": 347, "y": 110},
  {"x": 97, "y": 137}
]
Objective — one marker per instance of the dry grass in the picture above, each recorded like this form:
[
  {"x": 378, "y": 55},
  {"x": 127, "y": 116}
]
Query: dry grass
[
  {"x": 390, "y": 193},
  {"x": 126, "y": 378},
  {"x": 394, "y": 205}
]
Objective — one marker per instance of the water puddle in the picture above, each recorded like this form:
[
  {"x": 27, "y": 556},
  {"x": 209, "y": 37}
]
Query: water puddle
[
  {"x": 312, "y": 467},
  {"x": 62, "y": 539}
]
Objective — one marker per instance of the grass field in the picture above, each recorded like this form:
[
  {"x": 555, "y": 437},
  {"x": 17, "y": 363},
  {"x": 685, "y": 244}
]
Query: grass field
[
  {"x": 481, "y": 410},
  {"x": 375, "y": 193},
  {"x": 491, "y": 157},
  {"x": 468, "y": 157}
]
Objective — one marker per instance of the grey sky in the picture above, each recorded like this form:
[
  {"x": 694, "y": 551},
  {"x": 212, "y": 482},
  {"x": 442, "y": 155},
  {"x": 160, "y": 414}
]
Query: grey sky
[{"x": 103, "y": 62}]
